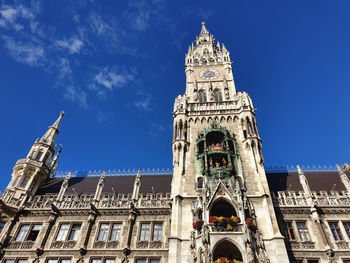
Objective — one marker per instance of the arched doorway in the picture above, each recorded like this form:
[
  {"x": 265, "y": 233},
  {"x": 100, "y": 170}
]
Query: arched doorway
[{"x": 226, "y": 249}]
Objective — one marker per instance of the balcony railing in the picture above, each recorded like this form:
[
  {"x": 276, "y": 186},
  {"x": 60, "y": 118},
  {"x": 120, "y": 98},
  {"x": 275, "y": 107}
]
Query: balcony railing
[{"x": 106, "y": 201}]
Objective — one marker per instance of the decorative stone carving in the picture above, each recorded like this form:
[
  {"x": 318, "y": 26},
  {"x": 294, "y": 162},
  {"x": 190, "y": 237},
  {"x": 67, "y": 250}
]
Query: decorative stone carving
[
  {"x": 142, "y": 244},
  {"x": 69, "y": 244},
  {"x": 342, "y": 245},
  {"x": 156, "y": 244},
  {"x": 112, "y": 244},
  {"x": 56, "y": 244},
  {"x": 99, "y": 244}
]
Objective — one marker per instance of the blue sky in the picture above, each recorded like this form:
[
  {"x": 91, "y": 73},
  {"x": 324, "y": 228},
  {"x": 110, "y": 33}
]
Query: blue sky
[{"x": 115, "y": 68}]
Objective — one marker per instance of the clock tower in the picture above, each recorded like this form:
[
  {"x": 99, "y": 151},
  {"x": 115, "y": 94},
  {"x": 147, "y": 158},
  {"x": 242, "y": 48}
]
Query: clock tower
[{"x": 221, "y": 200}]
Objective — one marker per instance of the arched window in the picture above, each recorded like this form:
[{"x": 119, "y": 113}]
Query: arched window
[
  {"x": 217, "y": 95},
  {"x": 222, "y": 208},
  {"x": 202, "y": 96},
  {"x": 180, "y": 130},
  {"x": 250, "y": 128},
  {"x": 226, "y": 249}
]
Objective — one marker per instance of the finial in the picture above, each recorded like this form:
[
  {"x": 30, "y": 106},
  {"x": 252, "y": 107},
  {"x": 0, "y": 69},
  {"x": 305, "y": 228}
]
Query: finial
[
  {"x": 62, "y": 113},
  {"x": 339, "y": 168},
  {"x": 299, "y": 169},
  {"x": 203, "y": 23}
]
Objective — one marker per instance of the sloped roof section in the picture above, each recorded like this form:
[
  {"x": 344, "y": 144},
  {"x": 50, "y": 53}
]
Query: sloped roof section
[
  {"x": 120, "y": 184},
  {"x": 318, "y": 181}
]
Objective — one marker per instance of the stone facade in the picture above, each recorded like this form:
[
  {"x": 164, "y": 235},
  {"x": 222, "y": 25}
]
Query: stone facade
[{"x": 219, "y": 202}]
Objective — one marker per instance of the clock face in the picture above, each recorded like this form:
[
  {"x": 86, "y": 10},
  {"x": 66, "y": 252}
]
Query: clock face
[{"x": 209, "y": 74}]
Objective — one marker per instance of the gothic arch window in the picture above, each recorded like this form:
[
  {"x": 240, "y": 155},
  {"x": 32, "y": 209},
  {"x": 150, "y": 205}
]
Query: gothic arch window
[
  {"x": 180, "y": 130},
  {"x": 205, "y": 52},
  {"x": 221, "y": 207},
  {"x": 175, "y": 131},
  {"x": 226, "y": 249},
  {"x": 204, "y": 60},
  {"x": 250, "y": 128},
  {"x": 202, "y": 96},
  {"x": 217, "y": 95},
  {"x": 184, "y": 158},
  {"x": 211, "y": 60},
  {"x": 196, "y": 61}
]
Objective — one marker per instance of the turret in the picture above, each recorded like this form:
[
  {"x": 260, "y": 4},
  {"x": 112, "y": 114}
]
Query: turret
[{"x": 34, "y": 170}]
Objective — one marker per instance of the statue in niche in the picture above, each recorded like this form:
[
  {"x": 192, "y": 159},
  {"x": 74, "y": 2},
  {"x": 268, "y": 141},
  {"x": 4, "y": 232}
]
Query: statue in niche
[
  {"x": 224, "y": 162},
  {"x": 211, "y": 163}
]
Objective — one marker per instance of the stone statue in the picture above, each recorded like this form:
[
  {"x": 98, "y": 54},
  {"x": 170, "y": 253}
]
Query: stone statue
[
  {"x": 346, "y": 168},
  {"x": 205, "y": 236}
]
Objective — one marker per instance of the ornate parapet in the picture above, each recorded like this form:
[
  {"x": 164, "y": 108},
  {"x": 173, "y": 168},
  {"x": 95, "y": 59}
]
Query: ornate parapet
[
  {"x": 322, "y": 199},
  {"x": 302, "y": 245},
  {"x": 21, "y": 245},
  {"x": 106, "y": 201},
  {"x": 101, "y": 244},
  {"x": 70, "y": 244}
]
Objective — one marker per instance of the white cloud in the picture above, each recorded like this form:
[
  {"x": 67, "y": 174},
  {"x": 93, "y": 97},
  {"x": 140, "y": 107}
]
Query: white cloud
[
  {"x": 204, "y": 14},
  {"x": 73, "y": 44},
  {"x": 76, "y": 95},
  {"x": 64, "y": 68},
  {"x": 104, "y": 27},
  {"x": 141, "y": 13},
  {"x": 9, "y": 16},
  {"x": 26, "y": 53},
  {"x": 108, "y": 79},
  {"x": 143, "y": 100}
]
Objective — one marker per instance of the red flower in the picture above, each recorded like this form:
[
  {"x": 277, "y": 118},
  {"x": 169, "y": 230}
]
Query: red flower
[
  {"x": 248, "y": 221},
  {"x": 198, "y": 224},
  {"x": 212, "y": 219}
]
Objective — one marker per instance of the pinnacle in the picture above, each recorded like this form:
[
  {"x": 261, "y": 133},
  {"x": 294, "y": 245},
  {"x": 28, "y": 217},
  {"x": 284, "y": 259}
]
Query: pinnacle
[
  {"x": 204, "y": 29},
  {"x": 58, "y": 121}
]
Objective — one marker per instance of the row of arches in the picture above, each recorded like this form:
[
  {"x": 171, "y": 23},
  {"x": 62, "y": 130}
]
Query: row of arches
[
  {"x": 202, "y": 96},
  {"x": 206, "y": 60},
  {"x": 220, "y": 119},
  {"x": 180, "y": 130}
]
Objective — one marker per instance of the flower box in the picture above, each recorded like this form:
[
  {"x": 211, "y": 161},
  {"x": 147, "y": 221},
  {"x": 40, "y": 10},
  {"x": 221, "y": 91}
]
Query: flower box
[
  {"x": 224, "y": 223},
  {"x": 225, "y": 260},
  {"x": 197, "y": 225}
]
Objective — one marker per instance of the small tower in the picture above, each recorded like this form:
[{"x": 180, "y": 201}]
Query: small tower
[{"x": 29, "y": 173}]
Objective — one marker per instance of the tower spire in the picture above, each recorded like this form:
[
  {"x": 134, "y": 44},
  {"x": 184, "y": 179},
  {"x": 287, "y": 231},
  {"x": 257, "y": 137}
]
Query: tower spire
[{"x": 50, "y": 135}]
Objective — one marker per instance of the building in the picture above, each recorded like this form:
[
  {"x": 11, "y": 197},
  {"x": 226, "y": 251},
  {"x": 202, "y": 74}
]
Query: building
[{"x": 218, "y": 202}]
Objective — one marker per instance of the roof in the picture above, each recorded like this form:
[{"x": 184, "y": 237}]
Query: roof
[
  {"x": 318, "y": 181},
  {"x": 120, "y": 184},
  {"x": 123, "y": 184}
]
